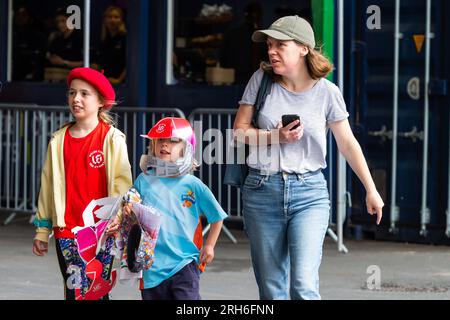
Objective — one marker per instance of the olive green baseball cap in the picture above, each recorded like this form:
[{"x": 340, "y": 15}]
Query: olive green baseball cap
[{"x": 288, "y": 28}]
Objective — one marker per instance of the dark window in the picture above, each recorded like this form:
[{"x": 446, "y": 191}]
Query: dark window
[
  {"x": 47, "y": 44},
  {"x": 212, "y": 40}
]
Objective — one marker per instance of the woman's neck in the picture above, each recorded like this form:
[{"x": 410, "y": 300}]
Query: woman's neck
[
  {"x": 299, "y": 81},
  {"x": 82, "y": 128}
]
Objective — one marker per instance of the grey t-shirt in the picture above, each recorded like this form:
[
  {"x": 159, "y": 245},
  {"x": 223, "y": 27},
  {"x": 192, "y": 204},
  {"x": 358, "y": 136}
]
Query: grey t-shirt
[{"x": 317, "y": 107}]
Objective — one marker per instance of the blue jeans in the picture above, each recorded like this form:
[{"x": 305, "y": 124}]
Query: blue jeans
[{"x": 286, "y": 219}]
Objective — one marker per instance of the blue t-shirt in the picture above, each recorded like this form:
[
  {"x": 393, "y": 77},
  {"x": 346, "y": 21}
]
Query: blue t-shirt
[{"x": 182, "y": 200}]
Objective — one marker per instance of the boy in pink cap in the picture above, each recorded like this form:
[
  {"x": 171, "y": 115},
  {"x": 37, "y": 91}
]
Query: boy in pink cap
[
  {"x": 167, "y": 185},
  {"x": 86, "y": 159}
]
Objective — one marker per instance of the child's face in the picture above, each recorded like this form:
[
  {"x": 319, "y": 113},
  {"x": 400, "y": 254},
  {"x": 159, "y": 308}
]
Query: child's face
[
  {"x": 169, "y": 149},
  {"x": 83, "y": 99}
]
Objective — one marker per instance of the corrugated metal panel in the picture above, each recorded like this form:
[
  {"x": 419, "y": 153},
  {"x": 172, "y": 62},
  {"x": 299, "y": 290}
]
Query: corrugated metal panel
[{"x": 373, "y": 117}]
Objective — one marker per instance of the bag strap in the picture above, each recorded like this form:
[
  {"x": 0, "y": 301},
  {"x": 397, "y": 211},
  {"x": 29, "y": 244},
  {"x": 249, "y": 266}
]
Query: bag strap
[{"x": 264, "y": 90}]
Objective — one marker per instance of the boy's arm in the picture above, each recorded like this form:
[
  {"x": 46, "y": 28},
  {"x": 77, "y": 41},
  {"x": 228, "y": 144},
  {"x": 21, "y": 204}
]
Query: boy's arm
[
  {"x": 213, "y": 233},
  {"x": 207, "y": 253}
]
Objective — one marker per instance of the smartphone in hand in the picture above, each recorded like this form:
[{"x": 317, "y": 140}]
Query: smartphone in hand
[{"x": 288, "y": 118}]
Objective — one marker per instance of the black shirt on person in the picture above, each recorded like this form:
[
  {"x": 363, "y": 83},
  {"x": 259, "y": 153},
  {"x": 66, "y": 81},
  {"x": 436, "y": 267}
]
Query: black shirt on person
[
  {"x": 112, "y": 55},
  {"x": 241, "y": 53},
  {"x": 70, "y": 48}
]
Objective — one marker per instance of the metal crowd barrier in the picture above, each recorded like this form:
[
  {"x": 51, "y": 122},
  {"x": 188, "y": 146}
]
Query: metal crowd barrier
[
  {"x": 212, "y": 174},
  {"x": 203, "y": 121},
  {"x": 25, "y": 131}
]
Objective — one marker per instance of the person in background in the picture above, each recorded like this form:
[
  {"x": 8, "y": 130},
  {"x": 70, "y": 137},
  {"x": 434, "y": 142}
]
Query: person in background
[
  {"x": 238, "y": 52},
  {"x": 65, "y": 48},
  {"x": 28, "y": 48},
  {"x": 112, "y": 52}
]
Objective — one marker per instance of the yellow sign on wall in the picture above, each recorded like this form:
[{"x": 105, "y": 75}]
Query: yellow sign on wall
[{"x": 418, "y": 40}]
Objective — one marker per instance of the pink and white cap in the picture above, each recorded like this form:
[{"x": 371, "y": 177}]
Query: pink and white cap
[{"x": 172, "y": 127}]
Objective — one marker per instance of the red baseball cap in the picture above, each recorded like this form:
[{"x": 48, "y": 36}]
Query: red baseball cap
[
  {"x": 97, "y": 80},
  {"x": 172, "y": 127}
]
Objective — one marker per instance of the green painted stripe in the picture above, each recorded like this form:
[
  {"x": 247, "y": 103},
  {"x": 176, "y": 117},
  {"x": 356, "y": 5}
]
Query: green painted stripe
[{"x": 323, "y": 24}]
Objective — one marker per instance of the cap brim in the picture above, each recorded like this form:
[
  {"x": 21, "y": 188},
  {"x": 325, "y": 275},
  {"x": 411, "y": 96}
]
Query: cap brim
[
  {"x": 261, "y": 35},
  {"x": 144, "y": 136}
]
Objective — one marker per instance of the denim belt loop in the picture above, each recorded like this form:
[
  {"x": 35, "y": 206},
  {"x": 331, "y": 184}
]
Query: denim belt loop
[
  {"x": 264, "y": 173},
  {"x": 300, "y": 177}
]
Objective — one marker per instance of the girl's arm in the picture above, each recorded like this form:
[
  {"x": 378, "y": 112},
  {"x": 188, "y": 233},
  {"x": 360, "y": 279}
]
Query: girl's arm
[
  {"x": 350, "y": 148},
  {"x": 43, "y": 218}
]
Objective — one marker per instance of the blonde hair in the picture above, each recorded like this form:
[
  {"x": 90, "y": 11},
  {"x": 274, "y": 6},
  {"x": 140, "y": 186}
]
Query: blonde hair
[
  {"x": 104, "y": 114},
  {"x": 317, "y": 64},
  {"x": 122, "y": 27}
]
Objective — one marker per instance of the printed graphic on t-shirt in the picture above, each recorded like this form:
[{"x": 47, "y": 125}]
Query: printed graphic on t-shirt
[
  {"x": 182, "y": 200},
  {"x": 188, "y": 199},
  {"x": 96, "y": 159}
]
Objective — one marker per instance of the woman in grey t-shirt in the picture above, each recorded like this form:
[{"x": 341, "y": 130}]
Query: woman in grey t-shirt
[{"x": 285, "y": 196}]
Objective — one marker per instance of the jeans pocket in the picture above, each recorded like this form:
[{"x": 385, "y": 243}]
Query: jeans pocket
[
  {"x": 254, "y": 182},
  {"x": 315, "y": 181}
]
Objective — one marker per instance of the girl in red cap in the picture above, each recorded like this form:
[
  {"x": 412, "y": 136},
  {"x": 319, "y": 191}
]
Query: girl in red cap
[{"x": 86, "y": 159}]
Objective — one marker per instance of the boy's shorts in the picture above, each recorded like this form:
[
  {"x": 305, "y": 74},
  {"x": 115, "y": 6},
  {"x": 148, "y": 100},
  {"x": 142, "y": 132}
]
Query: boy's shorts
[{"x": 183, "y": 285}]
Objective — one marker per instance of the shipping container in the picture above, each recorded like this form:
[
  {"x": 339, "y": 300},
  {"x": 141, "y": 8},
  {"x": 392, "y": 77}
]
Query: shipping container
[{"x": 397, "y": 93}]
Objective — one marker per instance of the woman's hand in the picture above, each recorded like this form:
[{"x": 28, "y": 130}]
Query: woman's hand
[
  {"x": 40, "y": 247},
  {"x": 207, "y": 254},
  {"x": 374, "y": 204},
  {"x": 286, "y": 135}
]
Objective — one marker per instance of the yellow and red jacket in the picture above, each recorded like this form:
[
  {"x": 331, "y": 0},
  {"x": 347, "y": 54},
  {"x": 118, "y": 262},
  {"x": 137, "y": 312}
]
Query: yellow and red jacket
[{"x": 52, "y": 195}]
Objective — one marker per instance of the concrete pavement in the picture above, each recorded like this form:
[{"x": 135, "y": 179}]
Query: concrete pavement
[{"x": 407, "y": 271}]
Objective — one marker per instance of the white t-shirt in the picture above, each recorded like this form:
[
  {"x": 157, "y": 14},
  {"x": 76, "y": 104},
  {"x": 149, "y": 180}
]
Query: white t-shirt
[{"x": 317, "y": 107}]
